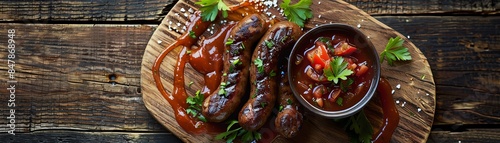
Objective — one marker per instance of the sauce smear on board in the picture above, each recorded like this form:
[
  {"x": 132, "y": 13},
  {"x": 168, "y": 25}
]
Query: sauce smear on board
[{"x": 207, "y": 60}]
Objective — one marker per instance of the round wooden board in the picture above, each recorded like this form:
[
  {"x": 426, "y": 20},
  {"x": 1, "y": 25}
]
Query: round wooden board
[{"x": 415, "y": 99}]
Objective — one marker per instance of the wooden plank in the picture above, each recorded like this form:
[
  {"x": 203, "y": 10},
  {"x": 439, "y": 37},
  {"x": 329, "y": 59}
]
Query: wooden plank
[
  {"x": 471, "y": 135},
  {"x": 414, "y": 7},
  {"x": 137, "y": 10},
  {"x": 89, "y": 137},
  {"x": 64, "y": 75},
  {"x": 83, "y": 10},
  {"x": 464, "y": 53}
]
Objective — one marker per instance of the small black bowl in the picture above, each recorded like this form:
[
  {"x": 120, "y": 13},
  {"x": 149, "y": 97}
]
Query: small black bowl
[{"x": 360, "y": 41}]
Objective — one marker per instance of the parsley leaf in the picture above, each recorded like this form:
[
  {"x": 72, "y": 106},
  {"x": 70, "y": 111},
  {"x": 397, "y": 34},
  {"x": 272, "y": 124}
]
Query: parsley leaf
[
  {"x": 394, "y": 50},
  {"x": 338, "y": 70},
  {"x": 260, "y": 65},
  {"x": 297, "y": 13},
  {"x": 230, "y": 135},
  {"x": 272, "y": 73},
  {"x": 194, "y": 108},
  {"x": 210, "y": 8},
  {"x": 358, "y": 127}
]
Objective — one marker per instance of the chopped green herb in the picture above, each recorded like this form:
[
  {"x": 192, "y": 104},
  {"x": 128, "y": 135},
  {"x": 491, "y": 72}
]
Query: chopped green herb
[
  {"x": 423, "y": 77},
  {"x": 237, "y": 62},
  {"x": 281, "y": 108},
  {"x": 222, "y": 90},
  {"x": 394, "y": 50},
  {"x": 188, "y": 51},
  {"x": 344, "y": 86},
  {"x": 194, "y": 108},
  {"x": 192, "y": 34},
  {"x": 263, "y": 104},
  {"x": 272, "y": 73},
  {"x": 224, "y": 74},
  {"x": 242, "y": 46},
  {"x": 210, "y": 8},
  {"x": 340, "y": 101},
  {"x": 229, "y": 41},
  {"x": 190, "y": 83},
  {"x": 338, "y": 70},
  {"x": 260, "y": 65},
  {"x": 310, "y": 86},
  {"x": 269, "y": 44},
  {"x": 289, "y": 101}
]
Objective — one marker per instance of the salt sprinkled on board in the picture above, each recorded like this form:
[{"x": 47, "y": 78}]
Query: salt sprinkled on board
[
  {"x": 393, "y": 91},
  {"x": 183, "y": 10},
  {"x": 319, "y": 2},
  {"x": 427, "y": 94},
  {"x": 398, "y": 86},
  {"x": 319, "y": 16},
  {"x": 397, "y": 101},
  {"x": 159, "y": 41},
  {"x": 190, "y": 10},
  {"x": 186, "y": 15},
  {"x": 403, "y": 105},
  {"x": 359, "y": 25},
  {"x": 178, "y": 24},
  {"x": 419, "y": 109},
  {"x": 408, "y": 36}
]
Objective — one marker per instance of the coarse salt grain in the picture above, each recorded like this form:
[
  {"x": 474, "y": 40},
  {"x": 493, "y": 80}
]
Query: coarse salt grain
[
  {"x": 397, "y": 101},
  {"x": 190, "y": 10},
  {"x": 403, "y": 105},
  {"x": 319, "y": 16},
  {"x": 427, "y": 94},
  {"x": 159, "y": 41},
  {"x": 186, "y": 15},
  {"x": 183, "y": 10},
  {"x": 393, "y": 91},
  {"x": 408, "y": 36},
  {"x": 178, "y": 24},
  {"x": 419, "y": 109},
  {"x": 359, "y": 25},
  {"x": 319, "y": 2},
  {"x": 398, "y": 86}
]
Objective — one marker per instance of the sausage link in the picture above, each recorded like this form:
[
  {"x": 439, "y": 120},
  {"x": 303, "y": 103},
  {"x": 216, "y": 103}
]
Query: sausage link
[
  {"x": 220, "y": 104},
  {"x": 289, "y": 120},
  {"x": 263, "y": 74}
]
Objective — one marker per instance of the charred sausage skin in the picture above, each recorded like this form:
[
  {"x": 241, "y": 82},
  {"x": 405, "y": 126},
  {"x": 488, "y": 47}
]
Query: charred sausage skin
[
  {"x": 264, "y": 73},
  {"x": 220, "y": 104},
  {"x": 289, "y": 120}
]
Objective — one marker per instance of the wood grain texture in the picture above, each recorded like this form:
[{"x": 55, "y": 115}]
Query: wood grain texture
[
  {"x": 136, "y": 10},
  {"x": 414, "y": 126},
  {"x": 464, "y": 61},
  {"x": 89, "y": 137},
  {"x": 63, "y": 74},
  {"x": 82, "y": 10},
  {"x": 383, "y": 7},
  {"x": 471, "y": 135}
]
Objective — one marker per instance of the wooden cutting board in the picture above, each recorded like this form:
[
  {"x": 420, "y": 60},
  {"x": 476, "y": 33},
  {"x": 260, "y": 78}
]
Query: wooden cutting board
[{"x": 415, "y": 98}]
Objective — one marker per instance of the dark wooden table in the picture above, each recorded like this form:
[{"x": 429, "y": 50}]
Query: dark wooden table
[{"x": 77, "y": 67}]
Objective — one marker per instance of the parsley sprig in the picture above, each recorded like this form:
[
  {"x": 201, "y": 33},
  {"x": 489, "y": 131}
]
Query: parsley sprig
[
  {"x": 210, "y": 8},
  {"x": 338, "y": 70},
  {"x": 231, "y": 134},
  {"x": 357, "y": 127},
  {"x": 194, "y": 108},
  {"x": 297, "y": 13},
  {"x": 394, "y": 50}
]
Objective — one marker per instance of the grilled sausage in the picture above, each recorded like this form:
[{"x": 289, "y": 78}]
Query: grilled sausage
[
  {"x": 222, "y": 103},
  {"x": 263, "y": 74},
  {"x": 289, "y": 119}
]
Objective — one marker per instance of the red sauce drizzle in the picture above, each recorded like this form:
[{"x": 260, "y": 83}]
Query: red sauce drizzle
[
  {"x": 213, "y": 47},
  {"x": 391, "y": 116}
]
